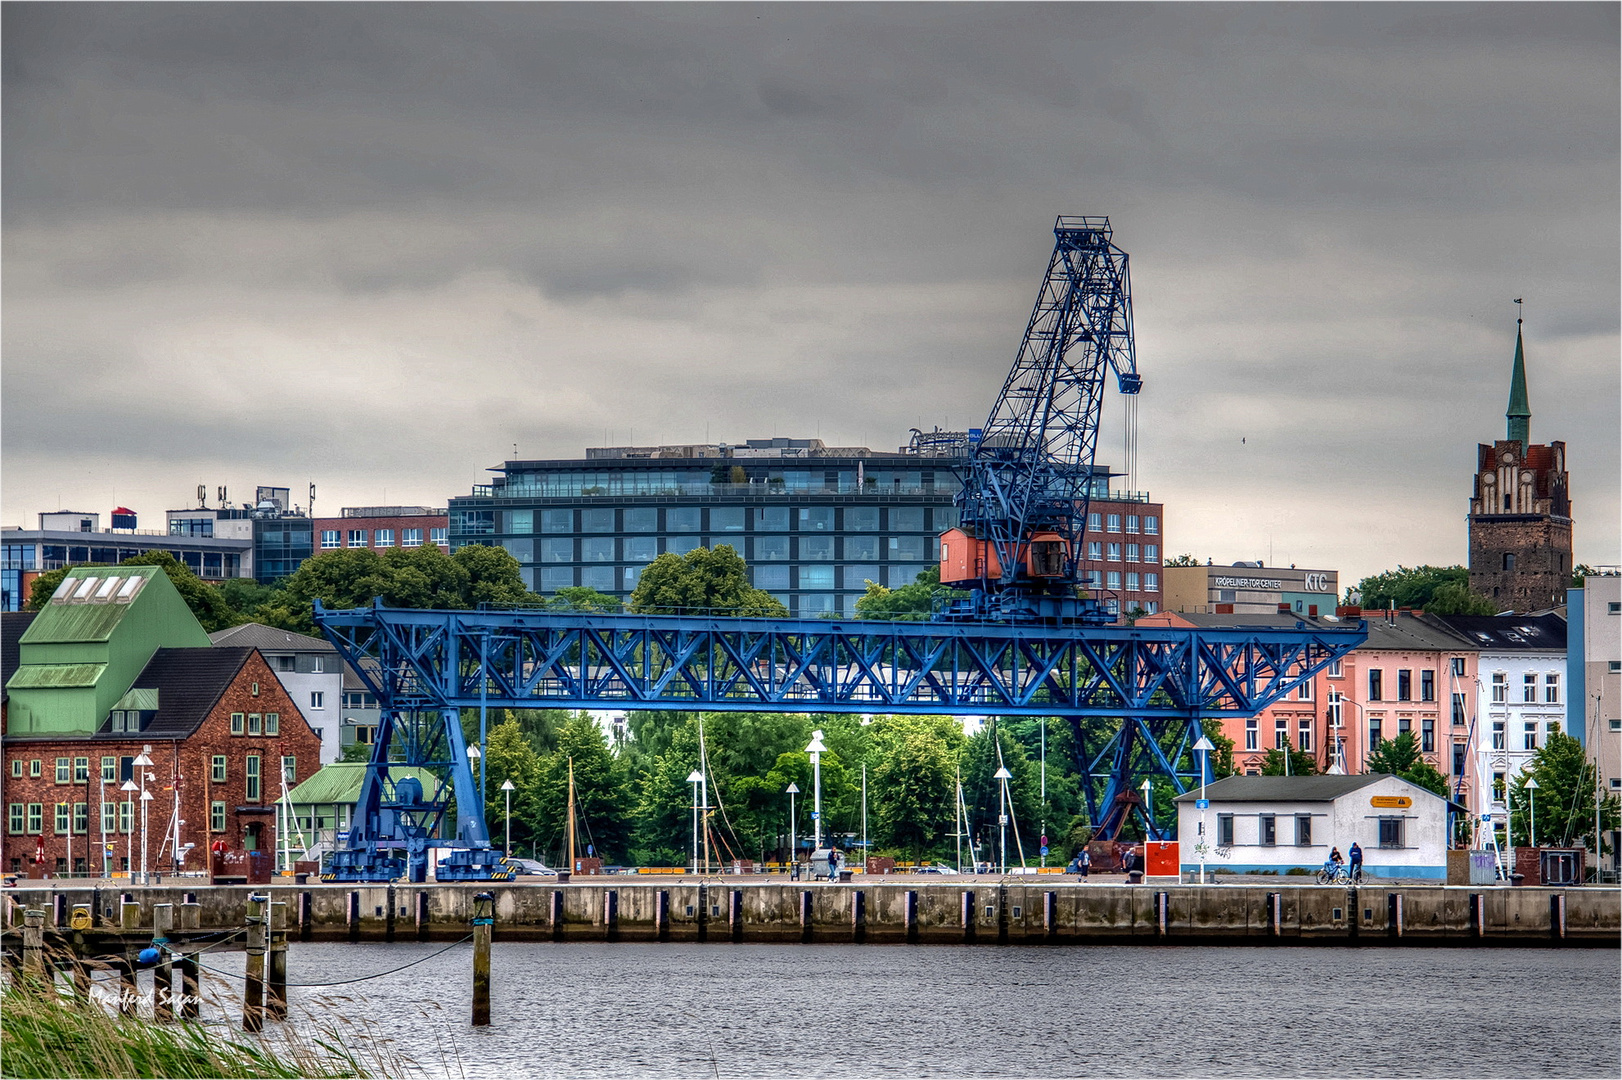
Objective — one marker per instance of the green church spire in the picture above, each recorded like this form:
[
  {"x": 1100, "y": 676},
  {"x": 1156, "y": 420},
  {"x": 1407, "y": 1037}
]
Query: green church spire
[{"x": 1520, "y": 411}]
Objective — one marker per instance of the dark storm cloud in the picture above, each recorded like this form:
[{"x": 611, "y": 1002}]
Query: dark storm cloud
[{"x": 272, "y": 238}]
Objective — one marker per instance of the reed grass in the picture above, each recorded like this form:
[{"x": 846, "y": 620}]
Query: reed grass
[{"x": 47, "y": 1030}]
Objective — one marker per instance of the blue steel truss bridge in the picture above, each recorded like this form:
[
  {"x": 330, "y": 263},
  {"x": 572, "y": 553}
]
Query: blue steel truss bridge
[{"x": 1136, "y": 699}]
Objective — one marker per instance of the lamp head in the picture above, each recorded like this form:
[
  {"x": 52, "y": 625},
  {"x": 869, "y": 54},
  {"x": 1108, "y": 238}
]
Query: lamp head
[
  {"x": 142, "y": 759},
  {"x": 793, "y": 788},
  {"x": 816, "y": 746},
  {"x": 128, "y": 785},
  {"x": 507, "y": 785},
  {"x": 1204, "y": 746},
  {"x": 1002, "y": 774},
  {"x": 695, "y": 777},
  {"x": 473, "y": 752}
]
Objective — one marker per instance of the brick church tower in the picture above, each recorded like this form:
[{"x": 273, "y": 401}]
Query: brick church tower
[{"x": 1520, "y": 514}]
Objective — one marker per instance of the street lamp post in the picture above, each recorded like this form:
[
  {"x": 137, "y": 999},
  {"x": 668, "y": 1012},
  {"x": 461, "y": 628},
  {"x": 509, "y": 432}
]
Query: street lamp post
[
  {"x": 129, "y": 837},
  {"x": 1149, "y": 831},
  {"x": 1203, "y": 748},
  {"x": 816, "y": 750},
  {"x": 695, "y": 778},
  {"x": 793, "y": 789},
  {"x": 1531, "y": 786},
  {"x": 507, "y": 789},
  {"x": 1002, "y": 776},
  {"x": 143, "y": 762},
  {"x": 473, "y": 759}
]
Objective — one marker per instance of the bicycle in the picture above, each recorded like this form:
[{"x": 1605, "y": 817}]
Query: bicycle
[{"x": 1331, "y": 873}]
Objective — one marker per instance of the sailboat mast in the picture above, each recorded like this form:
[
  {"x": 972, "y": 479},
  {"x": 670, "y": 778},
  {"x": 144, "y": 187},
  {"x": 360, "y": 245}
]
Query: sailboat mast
[{"x": 571, "y": 815}]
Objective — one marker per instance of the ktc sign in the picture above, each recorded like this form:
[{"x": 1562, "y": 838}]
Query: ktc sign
[{"x": 1316, "y": 583}]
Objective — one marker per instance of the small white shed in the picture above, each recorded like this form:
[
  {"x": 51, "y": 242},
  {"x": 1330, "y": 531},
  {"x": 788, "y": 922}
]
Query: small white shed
[{"x": 1278, "y": 823}]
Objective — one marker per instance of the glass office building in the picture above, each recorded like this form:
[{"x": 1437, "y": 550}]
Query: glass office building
[{"x": 814, "y": 523}]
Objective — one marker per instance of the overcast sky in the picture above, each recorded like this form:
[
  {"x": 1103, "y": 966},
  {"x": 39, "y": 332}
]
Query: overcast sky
[{"x": 374, "y": 247}]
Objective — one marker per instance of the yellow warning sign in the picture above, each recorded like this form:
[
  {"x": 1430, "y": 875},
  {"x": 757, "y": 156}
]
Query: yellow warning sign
[{"x": 1394, "y": 802}]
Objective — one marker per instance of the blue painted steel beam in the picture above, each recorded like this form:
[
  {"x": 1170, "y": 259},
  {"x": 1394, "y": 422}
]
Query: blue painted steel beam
[{"x": 1135, "y": 696}]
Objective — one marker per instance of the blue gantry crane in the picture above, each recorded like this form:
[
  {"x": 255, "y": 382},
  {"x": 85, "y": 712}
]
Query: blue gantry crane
[{"x": 1028, "y": 641}]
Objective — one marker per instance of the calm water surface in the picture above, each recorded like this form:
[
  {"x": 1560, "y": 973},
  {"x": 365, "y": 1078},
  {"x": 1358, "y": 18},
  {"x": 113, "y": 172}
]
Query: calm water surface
[{"x": 580, "y": 1010}]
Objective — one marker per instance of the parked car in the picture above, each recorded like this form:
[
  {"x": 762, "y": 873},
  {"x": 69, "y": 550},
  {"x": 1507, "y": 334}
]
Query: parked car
[
  {"x": 937, "y": 868},
  {"x": 532, "y": 868}
]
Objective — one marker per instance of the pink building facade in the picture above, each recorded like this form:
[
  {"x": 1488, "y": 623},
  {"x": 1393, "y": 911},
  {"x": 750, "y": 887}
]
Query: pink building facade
[{"x": 1413, "y": 674}]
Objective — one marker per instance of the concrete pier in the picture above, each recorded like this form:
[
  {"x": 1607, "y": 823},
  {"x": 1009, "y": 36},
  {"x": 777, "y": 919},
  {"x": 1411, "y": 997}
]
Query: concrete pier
[{"x": 877, "y": 910}]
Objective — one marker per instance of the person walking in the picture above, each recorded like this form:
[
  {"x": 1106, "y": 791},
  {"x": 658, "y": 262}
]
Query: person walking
[
  {"x": 1084, "y": 862},
  {"x": 1355, "y": 861}
]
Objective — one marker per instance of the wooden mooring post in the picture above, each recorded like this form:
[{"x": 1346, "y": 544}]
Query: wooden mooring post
[
  {"x": 34, "y": 941},
  {"x": 253, "y": 990},
  {"x": 276, "y": 999},
  {"x": 484, "y": 909},
  {"x": 163, "y": 972},
  {"x": 191, "y": 921},
  {"x": 129, "y": 922}
]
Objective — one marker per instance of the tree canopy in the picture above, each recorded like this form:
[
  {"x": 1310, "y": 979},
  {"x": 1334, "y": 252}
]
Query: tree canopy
[
  {"x": 705, "y": 581},
  {"x": 1439, "y": 590},
  {"x": 1565, "y": 796},
  {"x": 1401, "y": 757},
  {"x": 910, "y": 603}
]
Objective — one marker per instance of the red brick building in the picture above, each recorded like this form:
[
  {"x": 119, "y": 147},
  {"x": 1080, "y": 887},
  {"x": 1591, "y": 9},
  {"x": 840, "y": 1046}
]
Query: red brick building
[
  {"x": 1121, "y": 553},
  {"x": 220, "y": 732},
  {"x": 380, "y": 528}
]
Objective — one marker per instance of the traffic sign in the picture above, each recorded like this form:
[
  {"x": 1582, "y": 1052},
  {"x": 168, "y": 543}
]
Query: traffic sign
[
  {"x": 1202, "y": 804},
  {"x": 1044, "y": 849},
  {"x": 815, "y": 814}
]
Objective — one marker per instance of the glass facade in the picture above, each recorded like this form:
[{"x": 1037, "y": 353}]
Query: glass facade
[{"x": 813, "y": 532}]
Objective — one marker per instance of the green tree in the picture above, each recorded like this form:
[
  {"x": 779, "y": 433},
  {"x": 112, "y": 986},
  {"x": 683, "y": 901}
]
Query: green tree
[
  {"x": 246, "y": 596},
  {"x": 600, "y": 794},
  {"x": 705, "y": 581},
  {"x": 1421, "y": 587},
  {"x": 423, "y": 577},
  {"x": 582, "y": 598},
  {"x": 983, "y": 793},
  {"x": 510, "y": 757},
  {"x": 911, "y": 778},
  {"x": 1401, "y": 757},
  {"x": 910, "y": 603},
  {"x": 1565, "y": 796},
  {"x": 1182, "y": 560},
  {"x": 1301, "y": 763}
]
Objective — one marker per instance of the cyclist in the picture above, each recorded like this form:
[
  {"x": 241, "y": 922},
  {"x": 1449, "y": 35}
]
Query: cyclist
[
  {"x": 1335, "y": 862},
  {"x": 1355, "y": 853}
]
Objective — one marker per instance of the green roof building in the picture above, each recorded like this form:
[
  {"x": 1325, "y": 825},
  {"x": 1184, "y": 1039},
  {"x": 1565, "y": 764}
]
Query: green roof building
[{"x": 86, "y": 647}]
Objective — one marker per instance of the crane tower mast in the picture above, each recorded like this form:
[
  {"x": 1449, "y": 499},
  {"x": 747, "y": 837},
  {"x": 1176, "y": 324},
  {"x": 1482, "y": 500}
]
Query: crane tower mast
[{"x": 1030, "y": 470}]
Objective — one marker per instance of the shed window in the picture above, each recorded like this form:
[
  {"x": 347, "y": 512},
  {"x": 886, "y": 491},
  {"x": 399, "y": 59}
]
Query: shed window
[
  {"x": 1303, "y": 830},
  {"x": 1391, "y": 832},
  {"x": 1269, "y": 830},
  {"x": 1224, "y": 830}
]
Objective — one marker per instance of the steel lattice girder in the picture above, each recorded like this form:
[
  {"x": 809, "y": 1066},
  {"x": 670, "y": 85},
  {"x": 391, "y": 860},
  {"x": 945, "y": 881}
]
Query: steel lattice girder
[{"x": 421, "y": 660}]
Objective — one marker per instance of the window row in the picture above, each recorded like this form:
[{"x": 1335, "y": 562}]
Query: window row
[
  {"x": 1529, "y": 733},
  {"x": 1268, "y": 832},
  {"x": 1404, "y": 686},
  {"x": 1100, "y": 551},
  {"x": 741, "y": 476},
  {"x": 1150, "y": 582},
  {"x": 756, "y": 549},
  {"x": 381, "y": 538},
  {"x": 715, "y": 519},
  {"x": 610, "y": 579},
  {"x": 1529, "y": 688},
  {"x": 260, "y": 724},
  {"x": 1148, "y": 524}
]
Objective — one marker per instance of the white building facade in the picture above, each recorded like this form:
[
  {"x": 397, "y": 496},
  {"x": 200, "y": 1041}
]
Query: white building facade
[
  {"x": 1520, "y": 695},
  {"x": 1275, "y": 824}
]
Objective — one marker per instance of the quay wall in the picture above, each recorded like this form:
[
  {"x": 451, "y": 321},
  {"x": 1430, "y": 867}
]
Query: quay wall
[{"x": 980, "y": 911}]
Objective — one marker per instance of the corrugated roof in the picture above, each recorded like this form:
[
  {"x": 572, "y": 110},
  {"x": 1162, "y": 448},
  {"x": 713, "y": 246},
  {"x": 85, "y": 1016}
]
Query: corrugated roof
[
  {"x": 189, "y": 683},
  {"x": 340, "y": 782},
  {"x": 1281, "y": 788},
  {"x": 55, "y": 676},
  {"x": 75, "y": 621},
  {"x": 268, "y": 638}
]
